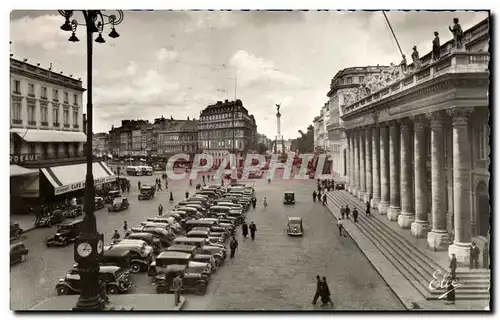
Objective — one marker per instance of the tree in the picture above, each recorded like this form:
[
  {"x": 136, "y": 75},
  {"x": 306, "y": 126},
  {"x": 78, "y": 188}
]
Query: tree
[
  {"x": 262, "y": 148},
  {"x": 304, "y": 143}
]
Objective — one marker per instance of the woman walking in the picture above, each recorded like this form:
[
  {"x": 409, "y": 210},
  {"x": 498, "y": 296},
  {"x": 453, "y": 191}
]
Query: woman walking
[{"x": 325, "y": 293}]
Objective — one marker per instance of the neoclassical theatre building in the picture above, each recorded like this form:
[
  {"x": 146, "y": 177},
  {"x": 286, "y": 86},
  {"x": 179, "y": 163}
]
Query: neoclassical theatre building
[{"x": 418, "y": 145}]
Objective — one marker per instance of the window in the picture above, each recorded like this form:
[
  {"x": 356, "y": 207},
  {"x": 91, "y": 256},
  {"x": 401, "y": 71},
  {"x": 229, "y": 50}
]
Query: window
[
  {"x": 75, "y": 99},
  {"x": 32, "y": 148},
  {"x": 55, "y": 114},
  {"x": 66, "y": 100},
  {"x": 66, "y": 117},
  {"x": 17, "y": 87},
  {"x": 31, "y": 113},
  {"x": 44, "y": 93},
  {"x": 55, "y": 95},
  {"x": 43, "y": 114},
  {"x": 348, "y": 80},
  {"x": 16, "y": 111},
  {"x": 75, "y": 118},
  {"x": 361, "y": 79},
  {"x": 31, "y": 89}
]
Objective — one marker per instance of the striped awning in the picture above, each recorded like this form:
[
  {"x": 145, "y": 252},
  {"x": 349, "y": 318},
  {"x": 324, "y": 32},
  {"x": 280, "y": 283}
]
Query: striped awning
[
  {"x": 34, "y": 135},
  {"x": 70, "y": 178}
]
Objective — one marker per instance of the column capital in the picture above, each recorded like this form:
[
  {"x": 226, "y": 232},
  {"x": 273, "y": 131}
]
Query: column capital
[
  {"x": 405, "y": 124},
  {"x": 436, "y": 119},
  {"x": 419, "y": 122},
  {"x": 459, "y": 116}
]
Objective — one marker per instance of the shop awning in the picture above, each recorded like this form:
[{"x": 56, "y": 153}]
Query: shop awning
[
  {"x": 33, "y": 135},
  {"x": 16, "y": 170},
  {"x": 70, "y": 178}
]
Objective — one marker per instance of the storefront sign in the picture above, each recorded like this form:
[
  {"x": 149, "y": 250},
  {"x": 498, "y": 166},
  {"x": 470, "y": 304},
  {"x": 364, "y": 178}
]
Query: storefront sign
[
  {"x": 24, "y": 158},
  {"x": 81, "y": 185}
]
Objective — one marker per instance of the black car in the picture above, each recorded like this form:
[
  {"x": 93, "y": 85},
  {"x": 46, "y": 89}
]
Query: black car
[
  {"x": 147, "y": 192},
  {"x": 66, "y": 233},
  {"x": 192, "y": 280},
  {"x": 55, "y": 218},
  {"x": 162, "y": 234},
  {"x": 340, "y": 185},
  {"x": 98, "y": 203},
  {"x": 119, "y": 204},
  {"x": 18, "y": 253},
  {"x": 167, "y": 258},
  {"x": 289, "y": 197},
  {"x": 119, "y": 258},
  {"x": 140, "y": 253},
  {"x": 111, "y": 195},
  {"x": 15, "y": 231},
  {"x": 295, "y": 227},
  {"x": 117, "y": 281},
  {"x": 198, "y": 255},
  {"x": 152, "y": 240}
]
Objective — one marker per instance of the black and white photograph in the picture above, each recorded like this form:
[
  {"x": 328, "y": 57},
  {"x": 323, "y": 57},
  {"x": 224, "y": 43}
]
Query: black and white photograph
[{"x": 250, "y": 160}]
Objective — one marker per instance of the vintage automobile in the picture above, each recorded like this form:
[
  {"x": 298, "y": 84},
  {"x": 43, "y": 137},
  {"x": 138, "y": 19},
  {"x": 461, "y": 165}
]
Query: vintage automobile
[
  {"x": 192, "y": 280},
  {"x": 340, "y": 185},
  {"x": 191, "y": 213},
  {"x": 15, "y": 231},
  {"x": 232, "y": 205},
  {"x": 120, "y": 258},
  {"x": 18, "y": 253},
  {"x": 199, "y": 223},
  {"x": 219, "y": 253},
  {"x": 237, "y": 215},
  {"x": 48, "y": 221},
  {"x": 166, "y": 258},
  {"x": 141, "y": 254},
  {"x": 147, "y": 192},
  {"x": 171, "y": 221},
  {"x": 294, "y": 226},
  {"x": 98, "y": 203},
  {"x": 165, "y": 236},
  {"x": 119, "y": 204},
  {"x": 117, "y": 281},
  {"x": 204, "y": 234},
  {"x": 289, "y": 197},
  {"x": 111, "y": 195},
  {"x": 66, "y": 233},
  {"x": 202, "y": 210},
  {"x": 197, "y": 255},
  {"x": 152, "y": 240},
  {"x": 213, "y": 234},
  {"x": 73, "y": 212}
]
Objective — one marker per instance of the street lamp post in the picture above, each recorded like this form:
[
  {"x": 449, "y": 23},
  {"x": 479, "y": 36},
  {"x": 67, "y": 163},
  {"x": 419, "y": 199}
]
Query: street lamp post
[{"x": 89, "y": 245}]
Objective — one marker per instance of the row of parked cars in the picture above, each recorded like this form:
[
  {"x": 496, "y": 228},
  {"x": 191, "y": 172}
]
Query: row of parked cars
[{"x": 189, "y": 240}]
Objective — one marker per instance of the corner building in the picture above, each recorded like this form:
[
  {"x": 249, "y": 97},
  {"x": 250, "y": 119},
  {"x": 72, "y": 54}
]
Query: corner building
[{"x": 418, "y": 145}]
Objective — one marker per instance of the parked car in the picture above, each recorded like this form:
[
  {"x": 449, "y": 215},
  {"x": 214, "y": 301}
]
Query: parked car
[
  {"x": 111, "y": 195},
  {"x": 18, "y": 253},
  {"x": 295, "y": 226},
  {"x": 198, "y": 254},
  {"x": 141, "y": 254},
  {"x": 67, "y": 232},
  {"x": 119, "y": 204},
  {"x": 120, "y": 258},
  {"x": 218, "y": 252},
  {"x": 117, "y": 281},
  {"x": 55, "y": 218},
  {"x": 191, "y": 280},
  {"x": 166, "y": 258},
  {"x": 98, "y": 203},
  {"x": 146, "y": 193},
  {"x": 152, "y": 240},
  {"x": 340, "y": 185},
  {"x": 204, "y": 234},
  {"x": 162, "y": 234},
  {"x": 289, "y": 197}
]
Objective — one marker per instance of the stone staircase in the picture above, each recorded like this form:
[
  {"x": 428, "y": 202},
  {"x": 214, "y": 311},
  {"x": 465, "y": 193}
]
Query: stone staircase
[{"x": 410, "y": 260}]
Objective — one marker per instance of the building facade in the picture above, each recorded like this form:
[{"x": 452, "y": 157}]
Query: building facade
[
  {"x": 127, "y": 140},
  {"x": 100, "y": 143},
  {"x": 178, "y": 136},
  {"x": 418, "y": 145},
  {"x": 225, "y": 127}
]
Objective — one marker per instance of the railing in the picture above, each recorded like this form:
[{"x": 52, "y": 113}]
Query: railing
[
  {"x": 56, "y": 124},
  {"x": 456, "y": 62},
  {"x": 43, "y": 98},
  {"x": 55, "y": 99},
  {"x": 16, "y": 92},
  {"x": 31, "y": 95},
  {"x": 66, "y": 125},
  {"x": 75, "y": 126},
  {"x": 32, "y": 123},
  {"x": 46, "y": 73},
  {"x": 17, "y": 121},
  {"x": 44, "y": 123}
]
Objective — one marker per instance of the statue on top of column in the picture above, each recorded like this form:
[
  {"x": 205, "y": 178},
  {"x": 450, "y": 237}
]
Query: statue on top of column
[{"x": 278, "y": 106}]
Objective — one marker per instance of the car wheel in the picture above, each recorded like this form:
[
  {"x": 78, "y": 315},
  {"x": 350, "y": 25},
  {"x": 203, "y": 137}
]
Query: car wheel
[
  {"x": 135, "y": 267},
  {"x": 62, "y": 290},
  {"x": 112, "y": 289},
  {"x": 201, "y": 288},
  {"x": 49, "y": 224},
  {"x": 65, "y": 243}
]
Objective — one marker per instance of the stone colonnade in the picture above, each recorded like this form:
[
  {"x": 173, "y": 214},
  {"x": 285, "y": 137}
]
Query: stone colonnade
[{"x": 387, "y": 166}]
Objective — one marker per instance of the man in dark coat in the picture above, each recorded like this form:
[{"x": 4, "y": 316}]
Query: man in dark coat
[
  {"x": 355, "y": 214},
  {"x": 253, "y": 229},
  {"x": 254, "y": 202},
  {"x": 367, "y": 211},
  {"x": 244, "y": 230},
  {"x": 171, "y": 197},
  {"x": 486, "y": 256},
  {"x": 115, "y": 236},
  {"x": 187, "y": 194},
  {"x": 453, "y": 266},
  {"x": 347, "y": 211},
  {"x": 342, "y": 212},
  {"x": 160, "y": 210},
  {"x": 450, "y": 297},
  {"x": 319, "y": 189},
  {"x": 474, "y": 256},
  {"x": 318, "y": 289},
  {"x": 314, "y": 195},
  {"x": 139, "y": 185},
  {"x": 325, "y": 293},
  {"x": 233, "y": 246}
]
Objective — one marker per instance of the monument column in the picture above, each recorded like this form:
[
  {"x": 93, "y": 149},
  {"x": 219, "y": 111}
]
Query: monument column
[
  {"x": 368, "y": 164},
  {"x": 461, "y": 185},
  {"x": 362, "y": 169},
  {"x": 395, "y": 201},
  {"x": 407, "y": 215},
  {"x": 356, "y": 165},
  {"x": 420, "y": 226},
  {"x": 438, "y": 238},
  {"x": 376, "y": 166},
  {"x": 384, "y": 170}
]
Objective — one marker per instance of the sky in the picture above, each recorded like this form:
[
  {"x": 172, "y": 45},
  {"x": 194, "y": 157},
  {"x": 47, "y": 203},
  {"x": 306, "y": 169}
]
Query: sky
[{"x": 175, "y": 63}]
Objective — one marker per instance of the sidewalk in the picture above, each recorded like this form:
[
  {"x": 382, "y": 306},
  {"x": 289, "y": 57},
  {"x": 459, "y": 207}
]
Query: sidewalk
[
  {"x": 120, "y": 302},
  {"x": 409, "y": 296},
  {"x": 26, "y": 221}
]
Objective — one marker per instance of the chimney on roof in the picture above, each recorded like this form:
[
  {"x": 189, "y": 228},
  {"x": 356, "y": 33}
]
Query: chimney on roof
[
  {"x": 188, "y": 118},
  {"x": 226, "y": 101},
  {"x": 171, "y": 118}
]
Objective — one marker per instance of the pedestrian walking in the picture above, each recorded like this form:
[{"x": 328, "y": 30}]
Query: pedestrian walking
[
  {"x": 253, "y": 229},
  {"x": 450, "y": 289},
  {"x": 314, "y": 195},
  {"x": 116, "y": 235},
  {"x": 340, "y": 225},
  {"x": 171, "y": 197},
  {"x": 325, "y": 293},
  {"x": 125, "y": 226},
  {"x": 474, "y": 256},
  {"x": 347, "y": 211},
  {"x": 244, "y": 230},
  {"x": 233, "y": 246},
  {"x": 318, "y": 289},
  {"x": 103, "y": 289},
  {"x": 166, "y": 184},
  {"x": 254, "y": 202},
  {"x": 265, "y": 202},
  {"x": 367, "y": 211},
  {"x": 128, "y": 188},
  {"x": 319, "y": 189},
  {"x": 355, "y": 214},
  {"x": 203, "y": 178},
  {"x": 187, "y": 194},
  {"x": 177, "y": 287},
  {"x": 453, "y": 266},
  {"x": 139, "y": 185},
  {"x": 324, "y": 199},
  {"x": 159, "y": 185},
  {"x": 160, "y": 210},
  {"x": 342, "y": 212}
]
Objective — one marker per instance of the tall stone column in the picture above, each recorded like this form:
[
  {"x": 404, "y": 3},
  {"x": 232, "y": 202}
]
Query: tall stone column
[
  {"x": 407, "y": 215},
  {"x": 420, "y": 226},
  {"x": 383, "y": 205},
  {"x": 438, "y": 238},
  {"x": 395, "y": 195},
  {"x": 349, "y": 177},
  {"x": 376, "y": 166},
  {"x": 368, "y": 165},
  {"x": 461, "y": 185},
  {"x": 362, "y": 165},
  {"x": 356, "y": 165}
]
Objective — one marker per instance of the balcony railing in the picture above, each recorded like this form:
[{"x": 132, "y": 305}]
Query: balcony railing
[
  {"x": 455, "y": 62},
  {"x": 16, "y": 92},
  {"x": 56, "y": 124},
  {"x": 76, "y": 126},
  {"x": 32, "y": 123},
  {"x": 43, "y": 98},
  {"x": 44, "y": 123},
  {"x": 66, "y": 125},
  {"x": 55, "y": 99},
  {"x": 31, "y": 95},
  {"x": 17, "y": 121}
]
